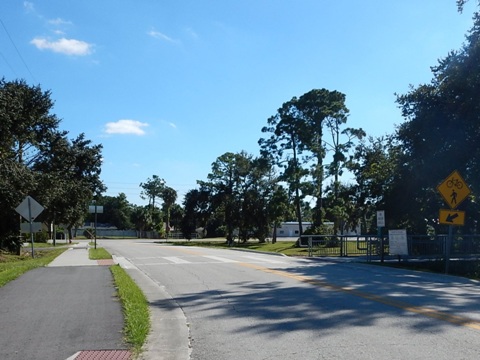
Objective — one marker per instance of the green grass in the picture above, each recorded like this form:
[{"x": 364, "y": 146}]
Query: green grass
[
  {"x": 135, "y": 308},
  {"x": 44, "y": 245},
  {"x": 98, "y": 254},
  {"x": 12, "y": 266},
  {"x": 281, "y": 247},
  {"x": 134, "y": 303}
]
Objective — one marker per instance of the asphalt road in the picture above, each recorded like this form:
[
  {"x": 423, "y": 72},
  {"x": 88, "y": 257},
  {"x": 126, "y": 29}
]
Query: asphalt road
[
  {"x": 52, "y": 313},
  {"x": 225, "y": 304}
]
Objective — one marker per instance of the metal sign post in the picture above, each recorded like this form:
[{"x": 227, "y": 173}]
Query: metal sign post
[
  {"x": 96, "y": 210},
  {"x": 453, "y": 190},
  {"x": 95, "y": 235},
  {"x": 31, "y": 220},
  {"x": 29, "y": 209},
  {"x": 380, "y": 224}
]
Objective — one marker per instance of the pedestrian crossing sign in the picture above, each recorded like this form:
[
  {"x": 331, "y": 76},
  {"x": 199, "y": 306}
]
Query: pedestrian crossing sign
[{"x": 454, "y": 189}]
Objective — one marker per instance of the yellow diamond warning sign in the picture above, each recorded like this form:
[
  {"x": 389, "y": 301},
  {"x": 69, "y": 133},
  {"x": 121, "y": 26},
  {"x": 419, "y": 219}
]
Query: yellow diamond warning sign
[
  {"x": 454, "y": 189},
  {"x": 452, "y": 217}
]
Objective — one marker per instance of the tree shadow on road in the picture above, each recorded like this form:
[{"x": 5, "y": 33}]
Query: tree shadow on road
[{"x": 329, "y": 298}]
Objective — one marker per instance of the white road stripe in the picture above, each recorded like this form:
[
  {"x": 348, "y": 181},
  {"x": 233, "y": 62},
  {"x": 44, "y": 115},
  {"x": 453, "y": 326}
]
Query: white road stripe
[
  {"x": 221, "y": 259},
  {"x": 176, "y": 260},
  {"x": 264, "y": 260}
]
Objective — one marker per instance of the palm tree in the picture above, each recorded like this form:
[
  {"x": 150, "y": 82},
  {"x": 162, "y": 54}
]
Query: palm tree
[{"x": 169, "y": 196}]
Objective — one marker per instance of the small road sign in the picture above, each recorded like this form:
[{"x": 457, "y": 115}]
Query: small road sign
[
  {"x": 452, "y": 217},
  {"x": 381, "y": 218},
  {"x": 92, "y": 209},
  {"x": 454, "y": 189},
  {"x": 29, "y": 208}
]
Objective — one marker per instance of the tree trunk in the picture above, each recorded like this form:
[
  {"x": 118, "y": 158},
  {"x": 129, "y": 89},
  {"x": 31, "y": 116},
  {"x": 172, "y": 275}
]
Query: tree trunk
[{"x": 297, "y": 188}]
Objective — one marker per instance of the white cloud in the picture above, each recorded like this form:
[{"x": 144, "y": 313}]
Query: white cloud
[
  {"x": 59, "y": 21},
  {"x": 172, "y": 125},
  {"x": 64, "y": 46},
  {"x": 126, "y": 127},
  {"x": 28, "y": 6},
  {"x": 158, "y": 35}
]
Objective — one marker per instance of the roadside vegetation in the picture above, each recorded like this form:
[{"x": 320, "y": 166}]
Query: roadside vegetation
[
  {"x": 288, "y": 248},
  {"x": 99, "y": 254},
  {"x": 12, "y": 266},
  {"x": 134, "y": 302},
  {"x": 135, "y": 308},
  {"x": 283, "y": 247},
  {"x": 37, "y": 245}
]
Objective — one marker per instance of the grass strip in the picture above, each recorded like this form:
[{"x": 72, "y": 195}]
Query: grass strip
[
  {"x": 98, "y": 254},
  {"x": 282, "y": 247},
  {"x": 135, "y": 308},
  {"x": 11, "y": 266},
  {"x": 288, "y": 248}
]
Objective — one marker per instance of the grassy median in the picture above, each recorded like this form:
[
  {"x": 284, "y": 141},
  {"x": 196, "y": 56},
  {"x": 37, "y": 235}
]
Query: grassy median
[
  {"x": 98, "y": 254},
  {"x": 282, "y": 247},
  {"x": 134, "y": 302},
  {"x": 135, "y": 308}
]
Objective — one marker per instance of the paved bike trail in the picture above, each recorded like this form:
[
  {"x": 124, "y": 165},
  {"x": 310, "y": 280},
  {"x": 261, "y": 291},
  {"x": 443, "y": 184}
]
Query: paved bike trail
[{"x": 67, "y": 310}]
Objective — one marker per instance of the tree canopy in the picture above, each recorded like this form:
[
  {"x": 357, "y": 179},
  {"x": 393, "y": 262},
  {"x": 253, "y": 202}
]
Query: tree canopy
[
  {"x": 37, "y": 159},
  {"x": 441, "y": 132}
]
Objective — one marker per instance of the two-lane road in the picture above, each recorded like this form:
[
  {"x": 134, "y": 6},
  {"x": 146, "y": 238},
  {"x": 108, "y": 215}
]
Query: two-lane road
[{"x": 242, "y": 305}]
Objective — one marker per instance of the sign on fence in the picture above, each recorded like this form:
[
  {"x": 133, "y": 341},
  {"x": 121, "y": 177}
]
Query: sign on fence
[{"x": 397, "y": 242}]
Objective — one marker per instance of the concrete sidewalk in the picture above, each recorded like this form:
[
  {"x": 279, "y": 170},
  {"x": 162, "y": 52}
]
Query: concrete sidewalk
[
  {"x": 77, "y": 255},
  {"x": 67, "y": 310}
]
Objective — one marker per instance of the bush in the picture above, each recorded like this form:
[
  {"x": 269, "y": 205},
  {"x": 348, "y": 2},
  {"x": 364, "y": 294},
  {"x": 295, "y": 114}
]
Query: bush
[
  {"x": 319, "y": 230},
  {"x": 11, "y": 242},
  {"x": 41, "y": 237},
  {"x": 38, "y": 237}
]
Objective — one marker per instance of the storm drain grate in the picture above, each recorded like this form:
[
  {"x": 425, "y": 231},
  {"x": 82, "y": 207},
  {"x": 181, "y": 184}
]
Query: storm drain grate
[{"x": 104, "y": 355}]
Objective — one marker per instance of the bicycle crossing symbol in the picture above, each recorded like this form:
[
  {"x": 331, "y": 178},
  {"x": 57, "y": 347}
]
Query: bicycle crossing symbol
[{"x": 454, "y": 189}]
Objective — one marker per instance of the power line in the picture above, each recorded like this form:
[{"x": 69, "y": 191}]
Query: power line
[
  {"x": 16, "y": 49},
  {"x": 8, "y": 64}
]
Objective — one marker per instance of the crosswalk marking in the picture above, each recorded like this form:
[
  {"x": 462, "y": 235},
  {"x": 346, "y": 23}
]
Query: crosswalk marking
[
  {"x": 221, "y": 259},
  {"x": 263, "y": 259},
  {"x": 176, "y": 260},
  {"x": 206, "y": 259}
]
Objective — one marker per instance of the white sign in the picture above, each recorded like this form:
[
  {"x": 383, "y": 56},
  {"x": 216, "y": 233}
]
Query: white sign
[
  {"x": 29, "y": 208},
  {"x": 397, "y": 242},
  {"x": 381, "y": 218},
  {"x": 99, "y": 210}
]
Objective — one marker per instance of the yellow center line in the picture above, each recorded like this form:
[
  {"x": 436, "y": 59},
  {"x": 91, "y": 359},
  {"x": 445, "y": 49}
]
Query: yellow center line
[{"x": 453, "y": 319}]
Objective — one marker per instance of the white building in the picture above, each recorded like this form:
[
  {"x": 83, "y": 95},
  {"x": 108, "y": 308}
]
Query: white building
[{"x": 290, "y": 228}]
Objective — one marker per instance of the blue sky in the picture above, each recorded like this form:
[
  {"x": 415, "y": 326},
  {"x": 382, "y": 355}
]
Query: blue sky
[{"x": 168, "y": 86}]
